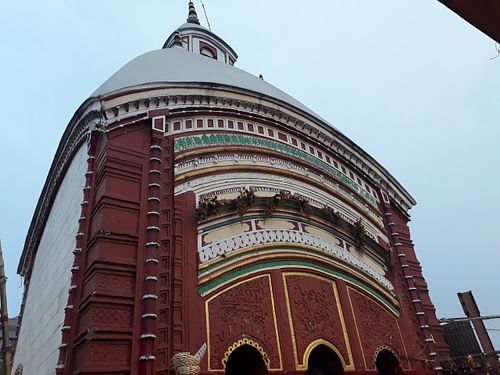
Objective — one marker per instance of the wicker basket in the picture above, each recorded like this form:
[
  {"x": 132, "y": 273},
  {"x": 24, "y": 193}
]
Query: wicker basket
[
  {"x": 187, "y": 370},
  {"x": 185, "y": 364}
]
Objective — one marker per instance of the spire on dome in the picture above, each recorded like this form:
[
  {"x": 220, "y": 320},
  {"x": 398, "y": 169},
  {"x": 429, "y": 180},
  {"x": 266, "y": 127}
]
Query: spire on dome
[
  {"x": 199, "y": 40},
  {"x": 192, "y": 16}
]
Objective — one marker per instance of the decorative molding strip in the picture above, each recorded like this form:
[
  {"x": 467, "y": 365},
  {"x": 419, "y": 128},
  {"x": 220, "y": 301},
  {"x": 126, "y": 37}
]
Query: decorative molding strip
[
  {"x": 233, "y": 125},
  {"x": 245, "y": 341},
  {"x": 414, "y": 292},
  {"x": 211, "y": 185},
  {"x": 181, "y": 99},
  {"x": 190, "y": 142},
  {"x": 269, "y": 236},
  {"x": 236, "y": 159},
  {"x": 371, "y": 250},
  {"x": 147, "y": 358},
  {"x": 71, "y": 315},
  {"x": 380, "y": 294},
  {"x": 149, "y": 289},
  {"x": 387, "y": 348}
]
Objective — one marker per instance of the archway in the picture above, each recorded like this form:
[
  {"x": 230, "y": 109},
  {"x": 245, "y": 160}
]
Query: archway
[
  {"x": 245, "y": 360},
  {"x": 324, "y": 361},
  {"x": 387, "y": 363}
]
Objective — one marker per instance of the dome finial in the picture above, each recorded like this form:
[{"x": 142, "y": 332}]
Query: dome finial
[{"x": 192, "y": 16}]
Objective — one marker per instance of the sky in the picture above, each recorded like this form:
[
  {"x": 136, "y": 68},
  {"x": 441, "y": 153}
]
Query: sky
[{"x": 410, "y": 82}]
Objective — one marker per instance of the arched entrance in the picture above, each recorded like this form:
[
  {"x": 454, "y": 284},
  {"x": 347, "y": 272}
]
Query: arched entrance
[
  {"x": 245, "y": 360},
  {"x": 324, "y": 361},
  {"x": 387, "y": 363}
]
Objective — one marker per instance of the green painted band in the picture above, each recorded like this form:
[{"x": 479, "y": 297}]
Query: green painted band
[
  {"x": 187, "y": 143},
  {"x": 207, "y": 288}
]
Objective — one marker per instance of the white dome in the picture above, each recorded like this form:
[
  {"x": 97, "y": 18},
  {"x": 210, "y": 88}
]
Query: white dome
[{"x": 177, "y": 65}]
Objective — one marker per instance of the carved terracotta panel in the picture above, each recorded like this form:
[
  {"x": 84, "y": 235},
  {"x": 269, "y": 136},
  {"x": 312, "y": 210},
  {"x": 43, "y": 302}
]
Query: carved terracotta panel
[
  {"x": 377, "y": 327},
  {"x": 107, "y": 355},
  {"x": 244, "y": 310},
  {"x": 314, "y": 314},
  {"x": 111, "y": 284},
  {"x": 115, "y": 317}
]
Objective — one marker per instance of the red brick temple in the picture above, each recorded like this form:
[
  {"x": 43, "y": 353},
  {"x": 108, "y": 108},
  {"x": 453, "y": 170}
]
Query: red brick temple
[{"x": 193, "y": 205}]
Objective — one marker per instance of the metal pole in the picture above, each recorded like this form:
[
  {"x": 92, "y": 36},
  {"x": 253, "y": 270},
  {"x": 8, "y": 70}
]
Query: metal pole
[
  {"x": 471, "y": 310},
  {"x": 6, "y": 349},
  {"x": 469, "y": 319}
]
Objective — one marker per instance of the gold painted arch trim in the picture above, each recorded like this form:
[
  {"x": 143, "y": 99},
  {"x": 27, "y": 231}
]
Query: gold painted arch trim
[
  {"x": 318, "y": 342},
  {"x": 275, "y": 321},
  {"x": 382, "y": 348},
  {"x": 241, "y": 342},
  {"x": 305, "y": 357}
]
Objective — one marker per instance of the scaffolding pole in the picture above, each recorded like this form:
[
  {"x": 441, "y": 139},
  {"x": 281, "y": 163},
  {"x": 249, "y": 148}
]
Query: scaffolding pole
[
  {"x": 6, "y": 349},
  {"x": 468, "y": 319}
]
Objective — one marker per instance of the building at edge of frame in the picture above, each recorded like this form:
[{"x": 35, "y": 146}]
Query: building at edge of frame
[{"x": 192, "y": 203}]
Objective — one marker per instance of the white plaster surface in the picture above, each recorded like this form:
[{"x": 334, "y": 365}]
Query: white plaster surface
[
  {"x": 177, "y": 65},
  {"x": 317, "y": 198},
  {"x": 40, "y": 335}
]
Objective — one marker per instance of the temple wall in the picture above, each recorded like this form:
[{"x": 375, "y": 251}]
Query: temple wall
[
  {"x": 40, "y": 336},
  {"x": 221, "y": 229},
  {"x": 285, "y": 313}
]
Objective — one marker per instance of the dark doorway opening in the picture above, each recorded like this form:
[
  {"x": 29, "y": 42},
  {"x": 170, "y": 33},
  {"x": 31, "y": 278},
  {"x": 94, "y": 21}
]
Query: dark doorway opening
[
  {"x": 388, "y": 364},
  {"x": 246, "y": 360},
  {"x": 324, "y": 361}
]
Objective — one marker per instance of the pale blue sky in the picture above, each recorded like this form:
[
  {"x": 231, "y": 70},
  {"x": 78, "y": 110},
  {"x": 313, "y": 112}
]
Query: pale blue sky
[{"x": 409, "y": 81}]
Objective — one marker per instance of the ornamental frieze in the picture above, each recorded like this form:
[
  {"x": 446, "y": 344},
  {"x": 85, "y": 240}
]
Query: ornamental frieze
[
  {"x": 180, "y": 101},
  {"x": 186, "y": 143},
  {"x": 243, "y": 310},
  {"x": 266, "y": 185},
  {"x": 285, "y": 237},
  {"x": 248, "y": 160},
  {"x": 376, "y": 327},
  {"x": 315, "y": 314},
  {"x": 241, "y": 126}
]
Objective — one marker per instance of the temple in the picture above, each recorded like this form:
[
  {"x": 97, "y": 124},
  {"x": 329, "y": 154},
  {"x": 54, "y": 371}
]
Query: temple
[{"x": 198, "y": 219}]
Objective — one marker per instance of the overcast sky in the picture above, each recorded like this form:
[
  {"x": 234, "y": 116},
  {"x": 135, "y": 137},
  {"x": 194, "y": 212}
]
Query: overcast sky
[{"x": 408, "y": 81}]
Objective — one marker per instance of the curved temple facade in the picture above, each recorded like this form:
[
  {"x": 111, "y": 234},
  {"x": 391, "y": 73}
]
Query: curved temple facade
[{"x": 192, "y": 203}]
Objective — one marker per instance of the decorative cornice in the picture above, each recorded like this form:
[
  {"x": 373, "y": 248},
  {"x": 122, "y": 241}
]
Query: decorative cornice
[
  {"x": 215, "y": 125},
  {"x": 208, "y": 185},
  {"x": 226, "y": 140},
  {"x": 182, "y": 98},
  {"x": 193, "y": 164}
]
